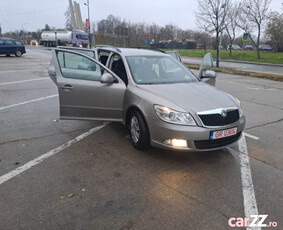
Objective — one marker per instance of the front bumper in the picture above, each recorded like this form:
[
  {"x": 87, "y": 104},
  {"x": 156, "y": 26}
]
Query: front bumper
[{"x": 198, "y": 138}]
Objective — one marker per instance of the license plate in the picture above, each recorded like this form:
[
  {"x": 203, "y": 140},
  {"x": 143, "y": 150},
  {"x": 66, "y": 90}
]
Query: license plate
[{"x": 223, "y": 133}]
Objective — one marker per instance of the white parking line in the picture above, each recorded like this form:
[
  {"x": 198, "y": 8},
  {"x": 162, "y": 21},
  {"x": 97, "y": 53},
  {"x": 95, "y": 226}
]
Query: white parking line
[
  {"x": 43, "y": 157},
  {"x": 27, "y": 102},
  {"x": 17, "y": 82},
  {"x": 250, "y": 205},
  {"x": 251, "y": 136}
]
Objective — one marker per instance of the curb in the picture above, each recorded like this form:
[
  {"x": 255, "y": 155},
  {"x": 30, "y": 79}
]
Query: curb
[{"x": 237, "y": 61}]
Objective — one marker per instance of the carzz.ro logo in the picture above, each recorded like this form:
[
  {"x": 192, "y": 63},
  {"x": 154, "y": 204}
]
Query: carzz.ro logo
[{"x": 252, "y": 221}]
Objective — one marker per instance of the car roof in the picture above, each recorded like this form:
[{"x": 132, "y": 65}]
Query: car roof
[
  {"x": 11, "y": 39},
  {"x": 132, "y": 51}
]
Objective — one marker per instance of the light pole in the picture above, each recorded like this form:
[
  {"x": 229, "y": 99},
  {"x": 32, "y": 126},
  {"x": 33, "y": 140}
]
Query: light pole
[
  {"x": 89, "y": 38},
  {"x": 23, "y": 31},
  {"x": 223, "y": 6}
]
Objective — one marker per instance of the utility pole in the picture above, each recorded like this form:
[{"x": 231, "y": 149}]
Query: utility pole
[
  {"x": 0, "y": 28},
  {"x": 89, "y": 38}
]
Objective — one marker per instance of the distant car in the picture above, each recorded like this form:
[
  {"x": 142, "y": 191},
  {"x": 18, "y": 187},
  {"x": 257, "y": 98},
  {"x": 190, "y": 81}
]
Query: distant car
[
  {"x": 33, "y": 43},
  {"x": 161, "y": 101},
  {"x": 265, "y": 47},
  {"x": 10, "y": 46},
  {"x": 234, "y": 47},
  {"x": 249, "y": 47}
]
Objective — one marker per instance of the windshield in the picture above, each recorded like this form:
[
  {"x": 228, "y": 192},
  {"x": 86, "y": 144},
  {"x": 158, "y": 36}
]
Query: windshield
[
  {"x": 158, "y": 70},
  {"x": 83, "y": 37}
]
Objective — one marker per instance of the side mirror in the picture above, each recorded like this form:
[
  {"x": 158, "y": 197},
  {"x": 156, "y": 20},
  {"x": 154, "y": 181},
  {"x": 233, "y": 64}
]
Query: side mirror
[
  {"x": 107, "y": 78},
  {"x": 209, "y": 74}
]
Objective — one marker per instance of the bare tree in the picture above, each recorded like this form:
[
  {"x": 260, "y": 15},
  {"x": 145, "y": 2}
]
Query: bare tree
[
  {"x": 231, "y": 23},
  {"x": 274, "y": 29},
  {"x": 203, "y": 37},
  {"x": 68, "y": 23},
  {"x": 212, "y": 15},
  {"x": 252, "y": 18}
]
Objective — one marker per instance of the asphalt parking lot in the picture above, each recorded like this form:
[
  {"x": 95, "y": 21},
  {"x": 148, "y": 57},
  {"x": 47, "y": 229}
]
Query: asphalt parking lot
[{"x": 58, "y": 174}]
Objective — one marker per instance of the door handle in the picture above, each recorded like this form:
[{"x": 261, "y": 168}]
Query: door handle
[{"x": 67, "y": 87}]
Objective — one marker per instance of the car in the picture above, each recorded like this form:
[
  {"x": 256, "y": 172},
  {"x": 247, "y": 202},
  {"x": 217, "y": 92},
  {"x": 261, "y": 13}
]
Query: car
[
  {"x": 249, "y": 47},
  {"x": 265, "y": 47},
  {"x": 159, "y": 99},
  {"x": 33, "y": 43},
  {"x": 10, "y": 46},
  {"x": 234, "y": 47}
]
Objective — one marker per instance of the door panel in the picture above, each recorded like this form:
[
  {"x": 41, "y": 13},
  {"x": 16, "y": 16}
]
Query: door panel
[
  {"x": 82, "y": 95},
  {"x": 207, "y": 64}
]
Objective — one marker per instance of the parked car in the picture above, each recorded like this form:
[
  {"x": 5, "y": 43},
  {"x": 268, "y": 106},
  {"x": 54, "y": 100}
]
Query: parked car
[
  {"x": 234, "y": 47},
  {"x": 249, "y": 47},
  {"x": 161, "y": 101},
  {"x": 10, "y": 46},
  {"x": 265, "y": 47},
  {"x": 33, "y": 43}
]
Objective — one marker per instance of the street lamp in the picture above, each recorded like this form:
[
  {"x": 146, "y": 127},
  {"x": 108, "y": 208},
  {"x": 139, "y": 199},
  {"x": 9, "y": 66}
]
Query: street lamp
[
  {"x": 89, "y": 38},
  {"x": 23, "y": 31}
]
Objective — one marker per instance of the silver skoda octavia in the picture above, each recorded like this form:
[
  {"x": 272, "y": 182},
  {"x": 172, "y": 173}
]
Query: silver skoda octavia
[{"x": 161, "y": 101}]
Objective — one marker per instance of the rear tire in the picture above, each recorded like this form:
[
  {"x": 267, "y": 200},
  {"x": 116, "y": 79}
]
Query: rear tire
[
  {"x": 18, "y": 53},
  {"x": 139, "y": 132}
]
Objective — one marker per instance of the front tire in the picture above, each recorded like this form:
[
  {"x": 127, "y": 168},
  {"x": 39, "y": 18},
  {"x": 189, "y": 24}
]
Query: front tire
[
  {"x": 18, "y": 53},
  {"x": 139, "y": 131}
]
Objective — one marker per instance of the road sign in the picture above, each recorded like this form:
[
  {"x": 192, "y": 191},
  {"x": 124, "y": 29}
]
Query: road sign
[
  {"x": 146, "y": 36},
  {"x": 87, "y": 24},
  {"x": 145, "y": 41},
  {"x": 245, "y": 37}
]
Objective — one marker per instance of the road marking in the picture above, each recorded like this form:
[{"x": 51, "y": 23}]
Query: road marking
[
  {"x": 254, "y": 88},
  {"x": 16, "y": 82},
  {"x": 251, "y": 136},
  {"x": 27, "y": 102},
  {"x": 43, "y": 157},
  {"x": 250, "y": 205}
]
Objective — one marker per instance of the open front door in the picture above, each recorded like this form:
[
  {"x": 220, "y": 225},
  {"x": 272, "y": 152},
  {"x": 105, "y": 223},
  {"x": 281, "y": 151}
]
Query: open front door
[
  {"x": 207, "y": 65},
  {"x": 81, "y": 91}
]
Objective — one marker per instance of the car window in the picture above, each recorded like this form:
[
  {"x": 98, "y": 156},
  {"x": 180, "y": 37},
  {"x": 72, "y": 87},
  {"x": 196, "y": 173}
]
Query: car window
[
  {"x": 18, "y": 43},
  {"x": 158, "y": 70},
  {"x": 79, "y": 67},
  {"x": 206, "y": 65},
  {"x": 118, "y": 67},
  {"x": 103, "y": 56},
  {"x": 9, "y": 43}
]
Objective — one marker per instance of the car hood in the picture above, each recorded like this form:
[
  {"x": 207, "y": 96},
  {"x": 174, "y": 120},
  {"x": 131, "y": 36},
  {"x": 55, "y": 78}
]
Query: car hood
[{"x": 193, "y": 97}]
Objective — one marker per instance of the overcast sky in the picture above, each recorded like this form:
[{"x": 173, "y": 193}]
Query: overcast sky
[{"x": 31, "y": 15}]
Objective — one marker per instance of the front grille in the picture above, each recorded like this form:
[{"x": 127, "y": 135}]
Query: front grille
[
  {"x": 218, "y": 120},
  {"x": 218, "y": 143}
]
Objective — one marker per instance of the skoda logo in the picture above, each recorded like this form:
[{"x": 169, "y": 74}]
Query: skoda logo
[{"x": 223, "y": 113}]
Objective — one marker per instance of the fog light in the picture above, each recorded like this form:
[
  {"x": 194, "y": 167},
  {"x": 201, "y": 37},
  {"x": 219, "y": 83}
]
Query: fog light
[{"x": 178, "y": 143}]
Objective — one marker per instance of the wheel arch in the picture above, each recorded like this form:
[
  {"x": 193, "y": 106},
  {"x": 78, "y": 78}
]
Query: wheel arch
[{"x": 128, "y": 116}]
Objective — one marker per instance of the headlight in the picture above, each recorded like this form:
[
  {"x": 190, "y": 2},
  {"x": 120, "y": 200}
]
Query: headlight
[
  {"x": 240, "y": 107},
  {"x": 171, "y": 116}
]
